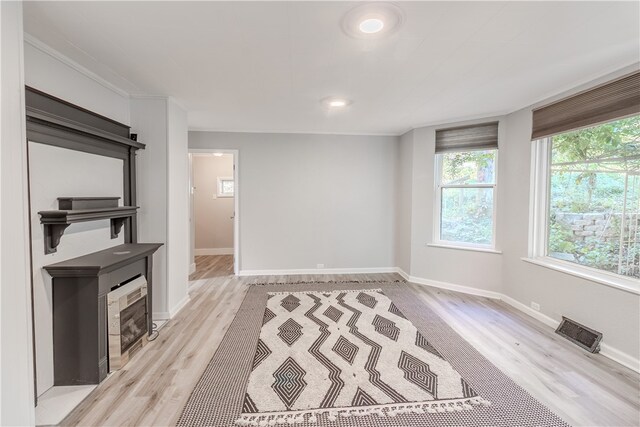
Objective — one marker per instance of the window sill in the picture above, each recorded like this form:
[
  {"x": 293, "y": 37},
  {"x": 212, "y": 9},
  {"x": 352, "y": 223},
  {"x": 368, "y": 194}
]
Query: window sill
[
  {"x": 464, "y": 248},
  {"x": 604, "y": 278}
]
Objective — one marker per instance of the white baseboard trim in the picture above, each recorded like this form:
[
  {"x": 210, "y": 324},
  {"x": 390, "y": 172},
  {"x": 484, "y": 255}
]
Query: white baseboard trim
[
  {"x": 318, "y": 271},
  {"x": 617, "y": 356},
  {"x": 605, "y": 350},
  {"x": 192, "y": 268},
  {"x": 552, "y": 323},
  {"x": 449, "y": 286},
  {"x": 213, "y": 251},
  {"x": 161, "y": 315},
  {"x": 179, "y": 306},
  {"x": 168, "y": 315}
]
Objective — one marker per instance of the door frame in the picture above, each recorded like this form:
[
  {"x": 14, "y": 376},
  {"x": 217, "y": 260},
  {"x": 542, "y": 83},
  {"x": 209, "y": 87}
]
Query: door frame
[{"x": 236, "y": 199}]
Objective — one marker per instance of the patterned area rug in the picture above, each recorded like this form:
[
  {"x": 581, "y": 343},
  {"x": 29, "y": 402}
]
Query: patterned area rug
[{"x": 351, "y": 357}]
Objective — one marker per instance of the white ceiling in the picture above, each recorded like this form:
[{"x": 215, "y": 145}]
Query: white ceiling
[{"x": 264, "y": 66}]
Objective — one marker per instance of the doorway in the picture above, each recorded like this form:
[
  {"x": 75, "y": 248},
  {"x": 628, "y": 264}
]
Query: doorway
[{"x": 214, "y": 213}]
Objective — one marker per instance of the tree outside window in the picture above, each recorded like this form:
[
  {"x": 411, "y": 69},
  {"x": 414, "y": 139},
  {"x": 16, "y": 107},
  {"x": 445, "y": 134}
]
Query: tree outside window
[
  {"x": 466, "y": 186},
  {"x": 594, "y": 197}
]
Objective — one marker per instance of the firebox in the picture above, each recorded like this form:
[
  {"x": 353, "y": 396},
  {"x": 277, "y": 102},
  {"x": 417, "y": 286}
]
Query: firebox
[{"x": 127, "y": 320}]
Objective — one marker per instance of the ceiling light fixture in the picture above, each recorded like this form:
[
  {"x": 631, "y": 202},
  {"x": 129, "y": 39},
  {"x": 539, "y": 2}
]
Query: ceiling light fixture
[
  {"x": 332, "y": 102},
  {"x": 218, "y": 154},
  {"x": 371, "y": 25},
  {"x": 337, "y": 103},
  {"x": 372, "y": 20}
]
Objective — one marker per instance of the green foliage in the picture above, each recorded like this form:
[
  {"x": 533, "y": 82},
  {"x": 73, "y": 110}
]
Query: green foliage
[
  {"x": 467, "y": 215},
  {"x": 589, "y": 168},
  {"x": 467, "y": 167},
  {"x": 613, "y": 146},
  {"x": 560, "y": 238}
]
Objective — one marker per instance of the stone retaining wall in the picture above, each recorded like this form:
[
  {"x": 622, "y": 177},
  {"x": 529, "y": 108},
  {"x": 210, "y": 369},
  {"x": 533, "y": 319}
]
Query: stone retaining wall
[{"x": 602, "y": 226}]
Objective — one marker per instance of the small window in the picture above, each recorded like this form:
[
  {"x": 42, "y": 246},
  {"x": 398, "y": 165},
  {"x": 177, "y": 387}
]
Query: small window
[
  {"x": 593, "y": 200},
  {"x": 225, "y": 187},
  {"x": 465, "y": 198}
]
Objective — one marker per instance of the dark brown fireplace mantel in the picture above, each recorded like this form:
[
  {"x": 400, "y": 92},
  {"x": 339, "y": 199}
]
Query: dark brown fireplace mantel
[{"x": 80, "y": 288}]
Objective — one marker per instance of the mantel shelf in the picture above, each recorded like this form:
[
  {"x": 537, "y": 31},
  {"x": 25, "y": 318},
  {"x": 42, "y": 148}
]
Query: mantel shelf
[{"x": 56, "y": 222}]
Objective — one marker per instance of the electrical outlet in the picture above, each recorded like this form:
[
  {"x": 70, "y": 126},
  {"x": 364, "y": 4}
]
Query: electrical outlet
[
  {"x": 535, "y": 306},
  {"x": 319, "y": 265}
]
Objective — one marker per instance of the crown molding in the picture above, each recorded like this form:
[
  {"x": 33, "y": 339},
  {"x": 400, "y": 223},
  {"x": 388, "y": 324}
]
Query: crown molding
[
  {"x": 292, "y": 132},
  {"x": 159, "y": 97},
  {"x": 463, "y": 120},
  {"x": 38, "y": 44}
]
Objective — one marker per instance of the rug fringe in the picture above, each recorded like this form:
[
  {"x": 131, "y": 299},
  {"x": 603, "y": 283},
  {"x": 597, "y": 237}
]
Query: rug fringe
[
  {"x": 315, "y": 282},
  {"x": 389, "y": 410},
  {"x": 340, "y": 291}
]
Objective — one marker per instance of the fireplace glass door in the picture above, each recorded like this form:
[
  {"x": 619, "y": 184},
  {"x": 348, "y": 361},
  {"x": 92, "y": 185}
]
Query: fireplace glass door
[{"x": 133, "y": 323}]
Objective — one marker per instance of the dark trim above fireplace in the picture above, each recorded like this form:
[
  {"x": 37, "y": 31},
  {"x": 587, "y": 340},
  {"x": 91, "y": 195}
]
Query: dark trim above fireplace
[{"x": 59, "y": 123}]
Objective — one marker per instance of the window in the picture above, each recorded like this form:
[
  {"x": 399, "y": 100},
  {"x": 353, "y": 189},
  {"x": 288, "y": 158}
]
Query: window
[
  {"x": 592, "y": 203},
  {"x": 586, "y": 184},
  {"x": 466, "y": 159},
  {"x": 225, "y": 187},
  {"x": 465, "y": 198}
]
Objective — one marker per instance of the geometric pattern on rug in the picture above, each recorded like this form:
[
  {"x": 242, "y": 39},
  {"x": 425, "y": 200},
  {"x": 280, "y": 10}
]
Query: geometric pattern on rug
[
  {"x": 416, "y": 371},
  {"x": 361, "y": 398},
  {"x": 345, "y": 349},
  {"x": 262, "y": 352},
  {"x": 424, "y": 344},
  {"x": 359, "y": 361},
  {"x": 367, "y": 300},
  {"x": 333, "y": 313},
  {"x": 289, "y": 382},
  {"x": 268, "y": 315},
  {"x": 466, "y": 390},
  {"x": 393, "y": 309},
  {"x": 290, "y": 303},
  {"x": 290, "y": 331},
  {"x": 221, "y": 396},
  {"x": 386, "y": 327}
]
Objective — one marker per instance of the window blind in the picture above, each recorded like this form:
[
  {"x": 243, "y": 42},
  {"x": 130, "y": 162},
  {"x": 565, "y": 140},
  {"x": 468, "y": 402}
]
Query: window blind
[
  {"x": 613, "y": 100},
  {"x": 483, "y": 136}
]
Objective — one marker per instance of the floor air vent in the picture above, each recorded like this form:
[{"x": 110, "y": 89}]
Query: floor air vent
[{"x": 579, "y": 334}]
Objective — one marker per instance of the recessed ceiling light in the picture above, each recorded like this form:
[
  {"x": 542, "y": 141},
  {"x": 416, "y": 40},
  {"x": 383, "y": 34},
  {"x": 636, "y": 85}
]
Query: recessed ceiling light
[
  {"x": 218, "y": 154},
  {"x": 332, "y": 102},
  {"x": 372, "y": 20},
  {"x": 371, "y": 25},
  {"x": 337, "y": 103}
]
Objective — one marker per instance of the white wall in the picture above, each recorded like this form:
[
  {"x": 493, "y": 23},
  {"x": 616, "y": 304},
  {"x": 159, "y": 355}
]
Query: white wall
[
  {"x": 16, "y": 363},
  {"x": 54, "y": 172},
  {"x": 163, "y": 184},
  {"x": 312, "y": 199},
  {"x": 404, "y": 202},
  {"x": 213, "y": 215},
  {"x": 178, "y": 207},
  {"x": 149, "y": 121},
  {"x": 53, "y": 73}
]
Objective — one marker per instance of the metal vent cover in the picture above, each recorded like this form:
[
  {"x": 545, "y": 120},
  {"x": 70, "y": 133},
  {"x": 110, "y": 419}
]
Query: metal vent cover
[{"x": 579, "y": 334}]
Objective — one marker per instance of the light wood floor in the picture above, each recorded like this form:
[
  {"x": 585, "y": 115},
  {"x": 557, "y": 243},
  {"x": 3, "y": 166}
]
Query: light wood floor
[{"x": 582, "y": 388}]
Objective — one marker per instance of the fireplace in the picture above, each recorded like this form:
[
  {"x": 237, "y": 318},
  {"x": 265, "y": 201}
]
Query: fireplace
[
  {"x": 90, "y": 296},
  {"x": 127, "y": 320}
]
